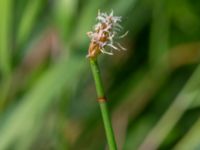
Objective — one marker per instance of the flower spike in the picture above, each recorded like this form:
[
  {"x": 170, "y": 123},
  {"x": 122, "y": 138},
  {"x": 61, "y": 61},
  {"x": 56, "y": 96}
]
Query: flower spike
[{"x": 104, "y": 34}]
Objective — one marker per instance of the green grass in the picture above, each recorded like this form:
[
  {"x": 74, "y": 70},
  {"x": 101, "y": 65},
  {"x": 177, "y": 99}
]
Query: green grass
[{"x": 47, "y": 94}]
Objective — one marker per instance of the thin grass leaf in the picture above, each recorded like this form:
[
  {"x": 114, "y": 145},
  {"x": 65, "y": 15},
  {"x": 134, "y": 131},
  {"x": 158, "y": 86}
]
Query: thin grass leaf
[
  {"x": 28, "y": 20},
  {"x": 173, "y": 113},
  {"x": 159, "y": 40},
  {"x": 27, "y": 114},
  {"x": 5, "y": 39},
  {"x": 64, "y": 13},
  {"x": 190, "y": 141}
]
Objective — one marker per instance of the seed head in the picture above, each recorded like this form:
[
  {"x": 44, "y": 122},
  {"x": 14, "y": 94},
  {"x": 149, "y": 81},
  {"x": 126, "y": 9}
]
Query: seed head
[{"x": 105, "y": 34}]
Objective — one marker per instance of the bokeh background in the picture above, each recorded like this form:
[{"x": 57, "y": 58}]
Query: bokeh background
[{"x": 47, "y": 94}]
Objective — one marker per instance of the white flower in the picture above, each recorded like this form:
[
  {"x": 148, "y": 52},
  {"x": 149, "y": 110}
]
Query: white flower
[{"x": 104, "y": 35}]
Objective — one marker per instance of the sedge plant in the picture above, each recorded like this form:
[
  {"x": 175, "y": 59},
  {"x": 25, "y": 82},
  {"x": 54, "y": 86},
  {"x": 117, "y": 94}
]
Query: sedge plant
[{"x": 104, "y": 35}]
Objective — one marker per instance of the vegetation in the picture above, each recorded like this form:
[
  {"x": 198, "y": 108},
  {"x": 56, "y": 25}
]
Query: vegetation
[{"x": 47, "y": 93}]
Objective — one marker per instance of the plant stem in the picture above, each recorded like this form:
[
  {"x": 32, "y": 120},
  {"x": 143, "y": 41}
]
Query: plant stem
[{"x": 103, "y": 104}]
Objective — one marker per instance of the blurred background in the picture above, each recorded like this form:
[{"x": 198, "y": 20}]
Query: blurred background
[{"x": 47, "y": 94}]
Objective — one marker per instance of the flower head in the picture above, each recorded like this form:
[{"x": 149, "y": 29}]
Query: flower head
[{"x": 104, "y": 35}]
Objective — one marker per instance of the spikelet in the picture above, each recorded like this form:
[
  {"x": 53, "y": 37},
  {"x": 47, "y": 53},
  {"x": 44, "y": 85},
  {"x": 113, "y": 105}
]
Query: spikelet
[{"x": 105, "y": 34}]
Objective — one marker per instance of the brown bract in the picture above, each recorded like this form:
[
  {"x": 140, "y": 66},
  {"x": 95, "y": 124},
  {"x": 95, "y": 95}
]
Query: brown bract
[{"x": 102, "y": 37}]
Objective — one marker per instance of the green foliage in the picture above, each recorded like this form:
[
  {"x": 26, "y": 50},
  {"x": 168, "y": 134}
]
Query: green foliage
[
  {"x": 5, "y": 31},
  {"x": 47, "y": 95}
]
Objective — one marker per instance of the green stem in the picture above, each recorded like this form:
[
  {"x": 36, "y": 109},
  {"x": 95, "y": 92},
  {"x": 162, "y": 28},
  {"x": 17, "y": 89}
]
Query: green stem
[{"x": 103, "y": 104}]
